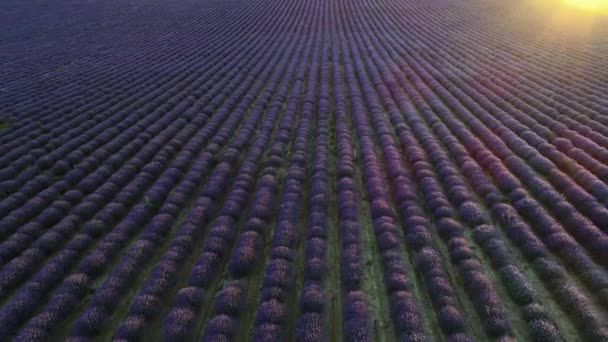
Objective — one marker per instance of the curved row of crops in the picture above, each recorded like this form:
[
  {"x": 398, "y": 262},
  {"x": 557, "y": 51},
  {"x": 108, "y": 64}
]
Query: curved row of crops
[{"x": 301, "y": 170}]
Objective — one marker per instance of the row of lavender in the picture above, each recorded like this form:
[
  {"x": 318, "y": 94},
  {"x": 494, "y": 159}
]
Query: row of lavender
[
  {"x": 193, "y": 199},
  {"x": 158, "y": 194},
  {"x": 405, "y": 78}
]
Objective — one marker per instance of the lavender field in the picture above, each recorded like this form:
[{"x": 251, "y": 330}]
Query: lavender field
[{"x": 304, "y": 170}]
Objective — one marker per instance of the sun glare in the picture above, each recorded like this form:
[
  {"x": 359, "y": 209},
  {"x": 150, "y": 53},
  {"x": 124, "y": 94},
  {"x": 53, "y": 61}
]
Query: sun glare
[
  {"x": 595, "y": 6},
  {"x": 564, "y": 22}
]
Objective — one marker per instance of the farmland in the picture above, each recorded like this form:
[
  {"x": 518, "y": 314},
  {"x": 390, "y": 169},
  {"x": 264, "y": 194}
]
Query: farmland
[{"x": 288, "y": 170}]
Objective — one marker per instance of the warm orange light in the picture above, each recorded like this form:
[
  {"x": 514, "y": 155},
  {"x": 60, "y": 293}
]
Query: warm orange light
[
  {"x": 595, "y": 6},
  {"x": 567, "y": 23}
]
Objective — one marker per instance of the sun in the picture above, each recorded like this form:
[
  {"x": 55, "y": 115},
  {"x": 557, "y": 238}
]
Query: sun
[{"x": 594, "y": 6}]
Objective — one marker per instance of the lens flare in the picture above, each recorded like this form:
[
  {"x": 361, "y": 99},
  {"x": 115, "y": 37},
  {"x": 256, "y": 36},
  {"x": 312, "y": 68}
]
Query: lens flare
[{"x": 594, "y": 6}]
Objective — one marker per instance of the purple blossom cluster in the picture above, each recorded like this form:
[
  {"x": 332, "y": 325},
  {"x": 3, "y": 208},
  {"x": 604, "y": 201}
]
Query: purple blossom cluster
[
  {"x": 357, "y": 320},
  {"x": 271, "y": 312},
  {"x": 310, "y": 325},
  {"x": 301, "y": 170},
  {"x": 222, "y": 233},
  {"x": 512, "y": 277},
  {"x": 512, "y": 172},
  {"x": 178, "y": 324},
  {"x": 404, "y": 309},
  {"x": 55, "y": 236},
  {"x": 451, "y": 230}
]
